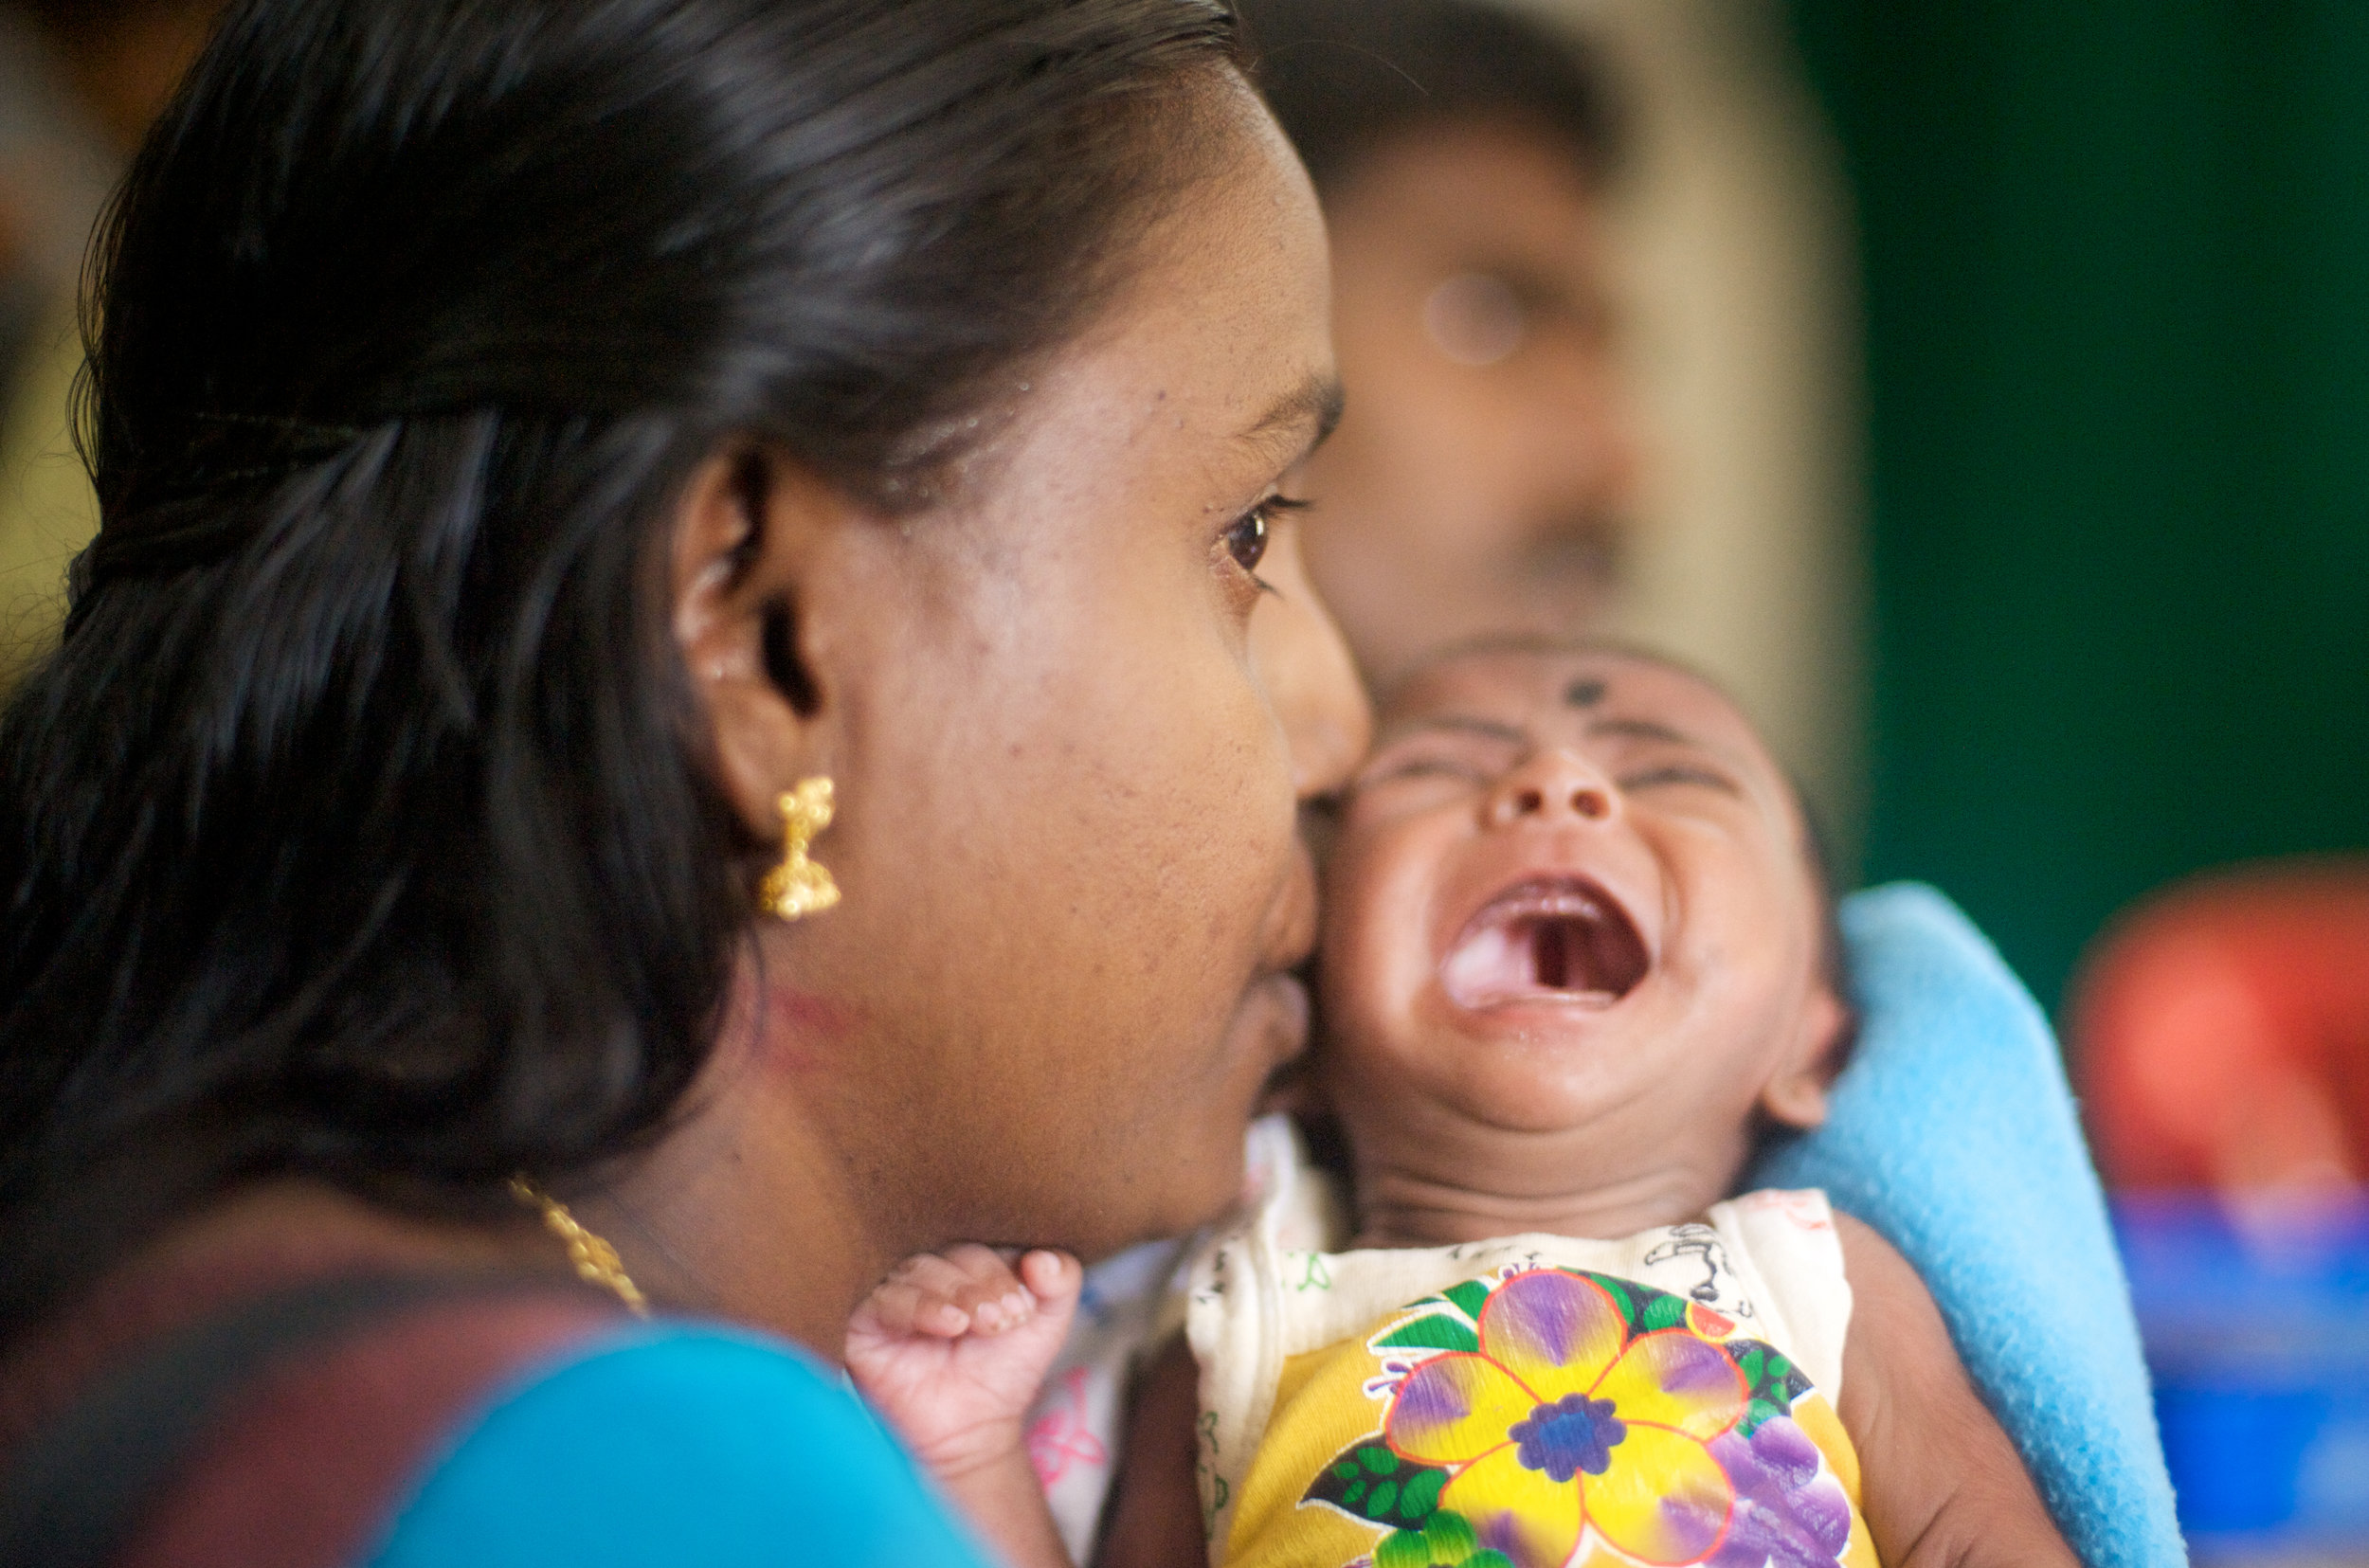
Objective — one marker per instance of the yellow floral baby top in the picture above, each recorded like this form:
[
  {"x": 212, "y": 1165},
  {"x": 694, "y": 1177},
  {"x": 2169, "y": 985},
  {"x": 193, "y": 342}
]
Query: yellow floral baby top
[{"x": 1531, "y": 1402}]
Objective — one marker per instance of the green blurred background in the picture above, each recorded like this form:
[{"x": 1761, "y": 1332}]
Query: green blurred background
[{"x": 2116, "y": 263}]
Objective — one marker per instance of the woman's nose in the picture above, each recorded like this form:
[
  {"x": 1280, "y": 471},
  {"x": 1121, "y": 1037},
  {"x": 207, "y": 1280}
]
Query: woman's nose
[
  {"x": 1552, "y": 784},
  {"x": 1310, "y": 678}
]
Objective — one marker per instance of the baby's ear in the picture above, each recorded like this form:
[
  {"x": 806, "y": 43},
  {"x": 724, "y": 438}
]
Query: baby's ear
[{"x": 1795, "y": 1094}]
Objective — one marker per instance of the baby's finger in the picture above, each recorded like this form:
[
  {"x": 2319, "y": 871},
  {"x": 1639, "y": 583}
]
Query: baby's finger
[
  {"x": 991, "y": 1292},
  {"x": 901, "y": 1309},
  {"x": 1054, "y": 1278},
  {"x": 972, "y": 1279},
  {"x": 946, "y": 1275},
  {"x": 983, "y": 1266}
]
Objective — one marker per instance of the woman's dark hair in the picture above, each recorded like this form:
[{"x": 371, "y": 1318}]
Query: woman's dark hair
[
  {"x": 1344, "y": 76},
  {"x": 362, "y": 828}
]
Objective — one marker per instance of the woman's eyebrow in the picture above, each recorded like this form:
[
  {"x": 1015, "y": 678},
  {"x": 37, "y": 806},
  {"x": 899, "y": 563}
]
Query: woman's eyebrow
[{"x": 1310, "y": 410}]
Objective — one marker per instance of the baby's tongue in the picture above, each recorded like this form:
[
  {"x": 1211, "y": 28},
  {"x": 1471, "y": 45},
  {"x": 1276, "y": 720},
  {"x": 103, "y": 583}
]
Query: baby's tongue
[{"x": 1492, "y": 964}]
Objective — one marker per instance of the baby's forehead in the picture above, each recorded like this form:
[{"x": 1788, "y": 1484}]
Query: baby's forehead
[{"x": 1517, "y": 684}]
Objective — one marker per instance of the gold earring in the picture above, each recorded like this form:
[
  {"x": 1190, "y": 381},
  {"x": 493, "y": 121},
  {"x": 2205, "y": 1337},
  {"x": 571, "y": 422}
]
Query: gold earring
[{"x": 799, "y": 886}]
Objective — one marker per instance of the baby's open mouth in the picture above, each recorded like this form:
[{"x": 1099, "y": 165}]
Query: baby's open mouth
[{"x": 1557, "y": 939}]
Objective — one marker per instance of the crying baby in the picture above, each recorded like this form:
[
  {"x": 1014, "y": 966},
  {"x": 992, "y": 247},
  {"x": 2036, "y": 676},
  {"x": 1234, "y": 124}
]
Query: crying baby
[{"x": 1578, "y": 962}]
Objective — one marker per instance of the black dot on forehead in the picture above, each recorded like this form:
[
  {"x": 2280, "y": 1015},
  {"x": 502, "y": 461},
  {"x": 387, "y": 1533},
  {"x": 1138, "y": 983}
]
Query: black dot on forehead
[{"x": 1585, "y": 692}]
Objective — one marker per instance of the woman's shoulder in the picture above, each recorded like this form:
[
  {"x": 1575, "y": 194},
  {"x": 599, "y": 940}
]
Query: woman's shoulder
[
  {"x": 323, "y": 1401},
  {"x": 675, "y": 1442}
]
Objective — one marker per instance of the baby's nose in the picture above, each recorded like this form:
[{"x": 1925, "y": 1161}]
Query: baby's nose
[
  {"x": 1587, "y": 800},
  {"x": 1551, "y": 784}
]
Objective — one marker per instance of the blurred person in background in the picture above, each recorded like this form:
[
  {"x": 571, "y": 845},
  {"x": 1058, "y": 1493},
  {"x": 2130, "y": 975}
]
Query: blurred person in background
[
  {"x": 121, "y": 58},
  {"x": 1484, "y": 476},
  {"x": 80, "y": 82},
  {"x": 56, "y": 164}
]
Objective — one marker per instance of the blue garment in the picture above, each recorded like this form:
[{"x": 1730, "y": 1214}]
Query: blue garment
[
  {"x": 1952, "y": 1133},
  {"x": 672, "y": 1444}
]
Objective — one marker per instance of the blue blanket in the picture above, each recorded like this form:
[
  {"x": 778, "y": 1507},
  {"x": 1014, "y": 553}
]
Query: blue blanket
[{"x": 1952, "y": 1131}]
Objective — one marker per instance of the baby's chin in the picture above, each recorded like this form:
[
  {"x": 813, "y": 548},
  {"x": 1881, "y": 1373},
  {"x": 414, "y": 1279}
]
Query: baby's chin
[
  {"x": 1528, "y": 1068},
  {"x": 1475, "y": 1092}
]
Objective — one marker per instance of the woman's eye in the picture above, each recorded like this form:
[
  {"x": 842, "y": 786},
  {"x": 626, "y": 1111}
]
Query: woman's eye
[{"x": 1246, "y": 541}]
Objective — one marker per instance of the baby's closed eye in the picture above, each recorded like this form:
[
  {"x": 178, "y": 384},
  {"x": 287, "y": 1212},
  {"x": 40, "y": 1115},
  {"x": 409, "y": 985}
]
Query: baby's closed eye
[
  {"x": 1391, "y": 770},
  {"x": 1678, "y": 774}
]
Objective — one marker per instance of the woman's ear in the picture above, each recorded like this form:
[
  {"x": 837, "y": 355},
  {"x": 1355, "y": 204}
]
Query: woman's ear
[
  {"x": 749, "y": 533},
  {"x": 1796, "y": 1095}
]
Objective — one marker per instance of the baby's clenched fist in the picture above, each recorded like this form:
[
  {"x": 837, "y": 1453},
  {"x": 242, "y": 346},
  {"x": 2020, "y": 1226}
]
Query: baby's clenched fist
[{"x": 952, "y": 1348}]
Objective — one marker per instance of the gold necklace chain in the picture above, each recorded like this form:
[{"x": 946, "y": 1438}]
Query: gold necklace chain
[{"x": 596, "y": 1262}]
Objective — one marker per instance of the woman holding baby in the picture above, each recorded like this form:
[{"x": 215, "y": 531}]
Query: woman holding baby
[{"x": 695, "y": 679}]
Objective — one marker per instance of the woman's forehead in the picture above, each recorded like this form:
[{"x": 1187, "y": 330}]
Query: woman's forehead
[{"x": 1212, "y": 368}]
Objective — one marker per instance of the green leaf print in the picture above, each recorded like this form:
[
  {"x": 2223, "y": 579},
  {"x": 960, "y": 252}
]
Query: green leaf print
[
  {"x": 1439, "y": 1331},
  {"x": 1773, "y": 1382},
  {"x": 1469, "y": 1296},
  {"x": 1375, "y": 1487},
  {"x": 1446, "y": 1542},
  {"x": 1659, "y": 1311}
]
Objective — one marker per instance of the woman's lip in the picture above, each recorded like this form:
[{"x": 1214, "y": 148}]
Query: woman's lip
[
  {"x": 1274, "y": 1015},
  {"x": 1288, "y": 998},
  {"x": 1290, "y": 934}
]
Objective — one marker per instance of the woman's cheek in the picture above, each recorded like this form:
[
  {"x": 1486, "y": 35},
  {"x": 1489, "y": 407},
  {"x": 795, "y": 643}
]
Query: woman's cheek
[
  {"x": 1255, "y": 809},
  {"x": 1211, "y": 883}
]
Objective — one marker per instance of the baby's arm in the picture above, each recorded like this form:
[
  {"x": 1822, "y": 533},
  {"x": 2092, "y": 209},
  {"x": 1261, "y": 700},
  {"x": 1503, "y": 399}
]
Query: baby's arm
[
  {"x": 1943, "y": 1485},
  {"x": 951, "y": 1350}
]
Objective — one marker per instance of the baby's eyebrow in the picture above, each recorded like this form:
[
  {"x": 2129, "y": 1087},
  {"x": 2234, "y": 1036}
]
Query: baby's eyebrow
[
  {"x": 1643, "y": 729},
  {"x": 1463, "y": 724}
]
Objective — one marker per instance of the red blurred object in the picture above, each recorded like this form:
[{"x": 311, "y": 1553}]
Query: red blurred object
[{"x": 2219, "y": 1033}]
